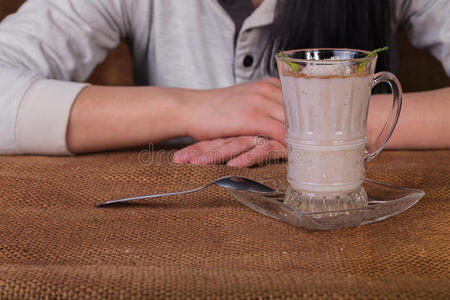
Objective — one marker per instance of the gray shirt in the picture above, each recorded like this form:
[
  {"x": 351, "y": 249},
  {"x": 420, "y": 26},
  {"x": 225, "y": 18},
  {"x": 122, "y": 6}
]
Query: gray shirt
[{"x": 49, "y": 47}]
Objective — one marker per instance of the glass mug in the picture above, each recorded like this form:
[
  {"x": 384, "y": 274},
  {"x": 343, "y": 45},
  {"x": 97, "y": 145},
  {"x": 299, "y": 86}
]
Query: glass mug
[{"x": 326, "y": 96}]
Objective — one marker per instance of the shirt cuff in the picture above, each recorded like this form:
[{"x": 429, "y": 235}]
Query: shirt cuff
[{"x": 43, "y": 117}]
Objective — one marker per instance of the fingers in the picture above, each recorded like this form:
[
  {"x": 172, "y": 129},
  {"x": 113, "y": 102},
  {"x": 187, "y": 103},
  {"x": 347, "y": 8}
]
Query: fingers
[
  {"x": 270, "y": 102},
  {"x": 271, "y": 89},
  {"x": 193, "y": 152},
  {"x": 273, "y": 129},
  {"x": 259, "y": 154},
  {"x": 226, "y": 151},
  {"x": 241, "y": 151},
  {"x": 214, "y": 151},
  {"x": 263, "y": 102},
  {"x": 276, "y": 111},
  {"x": 273, "y": 80}
]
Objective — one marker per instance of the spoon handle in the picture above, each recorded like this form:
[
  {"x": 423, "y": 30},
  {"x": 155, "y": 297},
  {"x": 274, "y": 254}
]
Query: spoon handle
[{"x": 148, "y": 196}]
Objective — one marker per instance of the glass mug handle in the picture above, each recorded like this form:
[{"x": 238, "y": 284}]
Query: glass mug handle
[{"x": 392, "y": 119}]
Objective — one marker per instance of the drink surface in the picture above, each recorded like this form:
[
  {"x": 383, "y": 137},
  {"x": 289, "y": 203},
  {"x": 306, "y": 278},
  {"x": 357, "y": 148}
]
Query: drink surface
[{"x": 326, "y": 116}]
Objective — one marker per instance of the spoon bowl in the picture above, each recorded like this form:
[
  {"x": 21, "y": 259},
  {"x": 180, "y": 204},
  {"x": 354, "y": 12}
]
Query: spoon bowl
[{"x": 242, "y": 183}]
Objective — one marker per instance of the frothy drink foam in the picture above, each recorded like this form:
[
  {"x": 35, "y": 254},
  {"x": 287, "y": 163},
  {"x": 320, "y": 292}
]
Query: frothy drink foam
[{"x": 326, "y": 109}]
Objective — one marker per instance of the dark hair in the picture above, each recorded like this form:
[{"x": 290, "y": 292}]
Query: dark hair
[{"x": 358, "y": 24}]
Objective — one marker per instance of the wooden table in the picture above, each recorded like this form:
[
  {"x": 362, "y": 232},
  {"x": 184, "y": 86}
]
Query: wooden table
[{"x": 55, "y": 244}]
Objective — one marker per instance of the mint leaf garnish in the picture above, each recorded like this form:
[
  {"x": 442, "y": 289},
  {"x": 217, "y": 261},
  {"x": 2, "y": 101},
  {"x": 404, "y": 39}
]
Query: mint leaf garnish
[
  {"x": 294, "y": 67},
  {"x": 371, "y": 54}
]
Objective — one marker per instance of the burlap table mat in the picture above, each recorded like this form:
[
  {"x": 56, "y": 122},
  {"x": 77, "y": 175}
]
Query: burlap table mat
[{"x": 54, "y": 244}]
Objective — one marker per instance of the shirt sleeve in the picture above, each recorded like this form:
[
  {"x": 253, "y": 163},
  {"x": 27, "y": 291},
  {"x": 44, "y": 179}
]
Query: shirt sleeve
[
  {"x": 428, "y": 25},
  {"x": 47, "y": 49}
]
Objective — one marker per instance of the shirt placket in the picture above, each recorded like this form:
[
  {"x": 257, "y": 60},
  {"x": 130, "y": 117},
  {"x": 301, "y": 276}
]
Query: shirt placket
[{"x": 250, "y": 45}]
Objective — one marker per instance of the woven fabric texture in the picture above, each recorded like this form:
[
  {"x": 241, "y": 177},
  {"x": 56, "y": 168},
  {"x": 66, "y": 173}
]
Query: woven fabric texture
[{"x": 55, "y": 244}]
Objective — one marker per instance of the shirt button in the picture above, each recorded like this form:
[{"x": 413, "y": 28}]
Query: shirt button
[{"x": 248, "y": 61}]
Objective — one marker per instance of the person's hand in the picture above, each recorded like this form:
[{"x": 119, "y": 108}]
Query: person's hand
[
  {"x": 243, "y": 151},
  {"x": 254, "y": 108}
]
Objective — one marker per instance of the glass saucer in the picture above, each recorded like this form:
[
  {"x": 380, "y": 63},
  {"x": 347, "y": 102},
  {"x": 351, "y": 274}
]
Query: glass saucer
[{"x": 384, "y": 201}]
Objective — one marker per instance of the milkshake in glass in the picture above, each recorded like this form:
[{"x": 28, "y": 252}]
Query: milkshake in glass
[{"x": 326, "y": 96}]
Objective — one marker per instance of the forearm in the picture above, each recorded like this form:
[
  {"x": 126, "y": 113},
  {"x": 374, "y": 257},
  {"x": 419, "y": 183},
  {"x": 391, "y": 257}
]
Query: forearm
[
  {"x": 424, "y": 121},
  {"x": 117, "y": 117},
  {"x": 105, "y": 118}
]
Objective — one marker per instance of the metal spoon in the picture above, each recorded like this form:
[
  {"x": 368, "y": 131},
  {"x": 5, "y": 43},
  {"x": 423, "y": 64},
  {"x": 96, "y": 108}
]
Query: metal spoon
[{"x": 231, "y": 182}]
